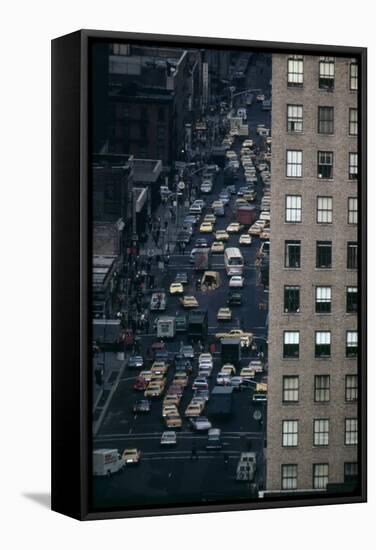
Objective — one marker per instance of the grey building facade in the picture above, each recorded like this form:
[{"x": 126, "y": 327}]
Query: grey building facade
[{"x": 312, "y": 378}]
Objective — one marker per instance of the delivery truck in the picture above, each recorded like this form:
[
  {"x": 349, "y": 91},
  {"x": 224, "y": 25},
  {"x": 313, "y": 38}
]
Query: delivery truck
[
  {"x": 230, "y": 350},
  {"x": 107, "y": 462},
  {"x": 198, "y": 324},
  {"x": 220, "y": 402},
  {"x": 165, "y": 327},
  {"x": 246, "y": 468},
  {"x": 246, "y": 215},
  {"x": 201, "y": 259}
]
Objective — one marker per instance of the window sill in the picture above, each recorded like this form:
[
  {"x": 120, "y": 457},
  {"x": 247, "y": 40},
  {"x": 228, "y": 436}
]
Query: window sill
[
  {"x": 323, "y": 313},
  {"x": 291, "y": 313},
  {"x": 290, "y": 358},
  {"x": 292, "y": 268},
  {"x": 323, "y": 358}
]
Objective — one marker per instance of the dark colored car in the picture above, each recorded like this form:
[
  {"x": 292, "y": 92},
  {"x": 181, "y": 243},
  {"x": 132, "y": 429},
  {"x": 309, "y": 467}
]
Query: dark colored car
[
  {"x": 135, "y": 362},
  {"x": 201, "y": 243},
  {"x": 183, "y": 237},
  {"x": 162, "y": 355},
  {"x": 231, "y": 189},
  {"x": 181, "y": 278},
  {"x": 142, "y": 406},
  {"x": 203, "y": 394},
  {"x": 183, "y": 365},
  {"x": 181, "y": 322},
  {"x": 191, "y": 218},
  {"x": 140, "y": 384},
  {"x": 234, "y": 299},
  {"x": 187, "y": 352}
]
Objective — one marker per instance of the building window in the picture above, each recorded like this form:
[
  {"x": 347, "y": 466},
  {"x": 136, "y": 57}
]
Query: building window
[
  {"x": 353, "y": 122},
  {"x": 324, "y": 254},
  {"x": 354, "y": 76},
  {"x": 352, "y": 299},
  {"x": 350, "y": 472},
  {"x": 322, "y": 388},
  {"x": 291, "y": 344},
  {"x": 326, "y": 73},
  {"x": 289, "y": 476},
  {"x": 293, "y": 208},
  {"x": 352, "y": 343},
  {"x": 320, "y": 432},
  {"x": 295, "y": 71},
  {"x": 290, "y": 389},
  {"x": 323, "y": 299},
  {"x": 353, "y": 210},
  {"x": 292, "y": 254},
  {"x": 295, "y": 118},
  {"x": 292, "y": 299},
  {"x": 289, "y": 433},
  {"x": 320, "y": 476},
  {"x": 325, "y": 165},
  {"x": 351, "y": 431},
  {"x": 322, "y": 344},
  {"x": 120, "y": 49},
  {"x": 351, "y": 387},
  {"x": 353, "y": 166},
  {"x": 294, "y": 164},
  {"x": 324, "y": 209},
  {"x": 326, "y": 120},
  {"x": 352, "y": 255}
]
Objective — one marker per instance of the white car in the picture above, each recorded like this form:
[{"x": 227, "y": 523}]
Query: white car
[
  {"x": 236, "y": 281},
  {"x": 205, "y": 357},
  {"x": 245, "y": 239},
  {"x": 234, "y": 227},
  {"x": 247, "y": 143},
  {"x": 168, "y": 438}
]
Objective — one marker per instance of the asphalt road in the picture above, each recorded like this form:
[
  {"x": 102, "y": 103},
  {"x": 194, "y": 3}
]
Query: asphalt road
[{"x": 172, "y": 476}]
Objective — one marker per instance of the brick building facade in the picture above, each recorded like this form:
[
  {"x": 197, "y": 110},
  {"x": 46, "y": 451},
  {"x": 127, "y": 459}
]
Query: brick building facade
[{"x": 312, "y": 385}]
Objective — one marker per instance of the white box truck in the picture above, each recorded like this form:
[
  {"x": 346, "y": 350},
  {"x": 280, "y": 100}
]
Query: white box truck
[
  {"x": 246, "y": 467},
  {"x": 107, "y": 462}
]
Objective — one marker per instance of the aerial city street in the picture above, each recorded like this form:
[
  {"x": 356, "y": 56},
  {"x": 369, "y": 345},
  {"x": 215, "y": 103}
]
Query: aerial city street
[
  {"x": 191, "y": 313},
  {"x": 181, "y": 174}
]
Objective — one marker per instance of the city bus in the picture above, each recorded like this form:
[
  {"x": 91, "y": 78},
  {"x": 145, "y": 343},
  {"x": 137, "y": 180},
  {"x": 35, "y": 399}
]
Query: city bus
[{"x": 234, "y": 261}]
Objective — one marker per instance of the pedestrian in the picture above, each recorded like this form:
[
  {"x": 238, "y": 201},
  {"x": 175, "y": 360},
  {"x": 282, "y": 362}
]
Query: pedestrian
[
  {"x": 194, "y": 453},
  {"x": 225, "y": 460},
  {"x": 183, "y": 248}
]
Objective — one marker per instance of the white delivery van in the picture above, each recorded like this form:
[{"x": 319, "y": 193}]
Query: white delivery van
[
  {"x": 246, "y": 467},
  {"x": 107, "y": 462}
]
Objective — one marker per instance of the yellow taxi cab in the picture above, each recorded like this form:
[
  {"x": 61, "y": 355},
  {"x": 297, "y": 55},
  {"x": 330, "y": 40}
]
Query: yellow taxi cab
[
  {"x": 206, "y": 227},
  {"x": 173, "y": 421},
  {"x": 176, "y": 288},
  {"x": 131, "y": 456},
  {"x": 189, "y": 301},
  {"x": 217, "y": 246}
]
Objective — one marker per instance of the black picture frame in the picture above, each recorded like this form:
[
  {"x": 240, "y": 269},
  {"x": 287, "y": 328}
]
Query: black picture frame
[{"x": 71, "y": 257}]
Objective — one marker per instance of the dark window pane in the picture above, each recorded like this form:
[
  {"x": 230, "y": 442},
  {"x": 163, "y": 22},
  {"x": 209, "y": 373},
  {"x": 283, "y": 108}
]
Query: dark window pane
[
  {"x": 292, "y": 299},
  {"x": 324, "y": 254},
  {"x": 326, "y": 120},
  {"x": 292, "y": 254},
  {"x": 352, "y": 255}
]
